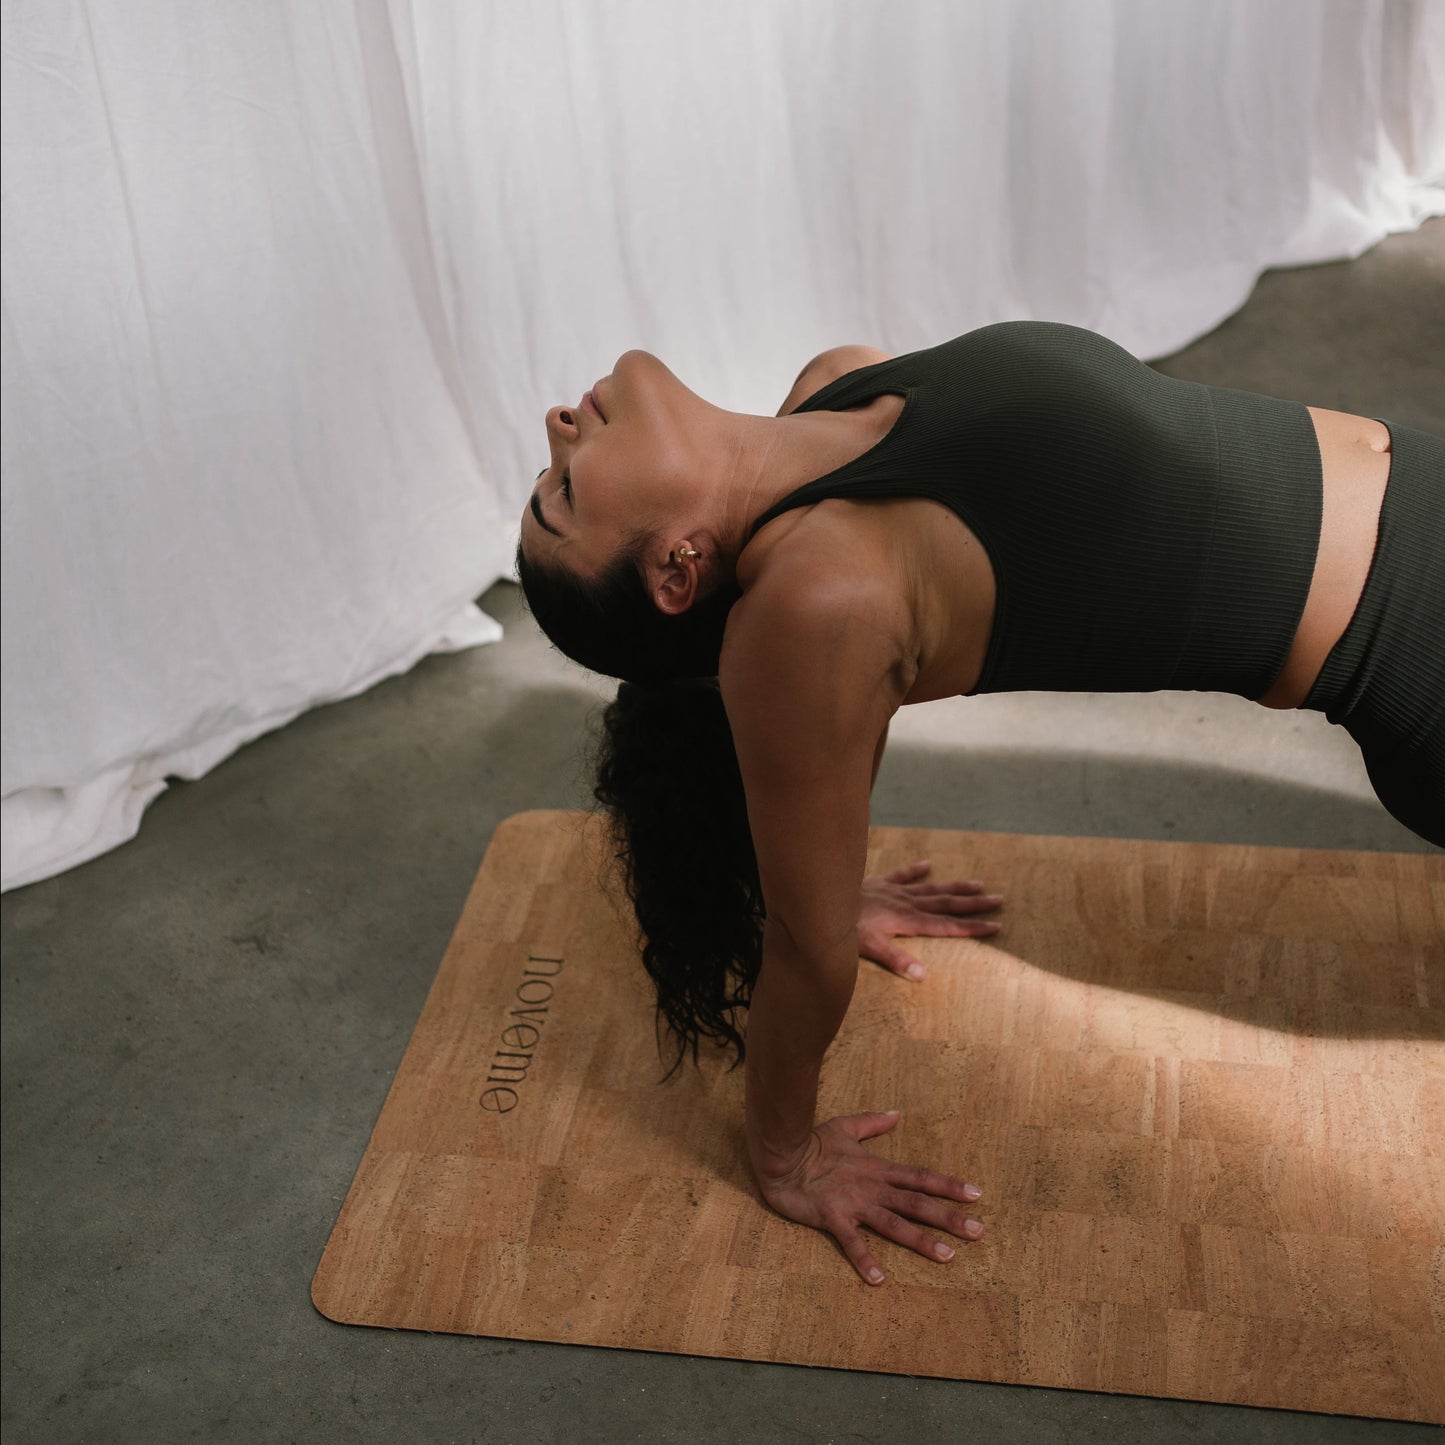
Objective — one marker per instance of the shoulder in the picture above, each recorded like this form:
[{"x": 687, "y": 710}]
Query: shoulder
[
  {"x": 829, "y": 366},
  {"x": 813, "y": 636},
  {"x": 808, "y": 592}
]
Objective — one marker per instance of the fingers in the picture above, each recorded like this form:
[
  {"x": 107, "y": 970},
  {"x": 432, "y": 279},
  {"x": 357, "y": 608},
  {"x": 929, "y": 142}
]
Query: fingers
[
  {"x": 855, "y": 1246},
  {"x": 910, "y": 871},
  {"x": 935, "y": 1212},
  {"x": 902, "y": 1213},
  {"x": 912, "y": 1189},
  {"x": 868, "y": 1126},
  {"x": 910, "y": 875},
  {"x": 892, "y": 1225},
  {"x": 923, "y": 925},
  {"x": 911, "y": 1178},
  {"x": 945, "y": 925},
  {"x": 883, "y": 950},
  {"x": 929, "y": 890},
  {"x": 904, "y": 1204},
  {"x": 899, "y": 961},
  {"x": 956, "y": 902}
]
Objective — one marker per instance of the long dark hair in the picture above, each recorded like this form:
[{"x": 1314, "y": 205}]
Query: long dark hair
[{"x": 667, "y": 775}]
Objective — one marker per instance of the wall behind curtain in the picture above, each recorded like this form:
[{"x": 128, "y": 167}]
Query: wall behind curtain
[{"x": 289, "y": 286}]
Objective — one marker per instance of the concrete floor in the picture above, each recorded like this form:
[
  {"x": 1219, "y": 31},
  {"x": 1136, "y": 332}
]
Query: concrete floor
[{"x": 200, "y": 1027}]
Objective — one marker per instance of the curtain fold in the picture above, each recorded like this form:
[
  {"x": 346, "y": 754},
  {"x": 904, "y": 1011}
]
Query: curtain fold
[
  {"x": 289, "y": 286},
  {"x": 239, "y": 478}
]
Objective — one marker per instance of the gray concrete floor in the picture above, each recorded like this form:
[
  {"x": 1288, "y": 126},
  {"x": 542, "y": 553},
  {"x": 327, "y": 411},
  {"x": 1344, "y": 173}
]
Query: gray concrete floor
[{"x": 200, "y": 1027}]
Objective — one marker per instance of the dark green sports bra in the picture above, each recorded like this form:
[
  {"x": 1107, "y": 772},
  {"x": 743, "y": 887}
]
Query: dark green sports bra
[{"x": 1144, "y": 532}]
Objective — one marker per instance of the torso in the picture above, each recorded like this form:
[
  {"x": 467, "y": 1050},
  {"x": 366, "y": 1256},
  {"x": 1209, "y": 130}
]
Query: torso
[
  {"x": 1355, "y": 462},
  {"x": 928, "y": 555},
  {"x": 852, "y": 608}
]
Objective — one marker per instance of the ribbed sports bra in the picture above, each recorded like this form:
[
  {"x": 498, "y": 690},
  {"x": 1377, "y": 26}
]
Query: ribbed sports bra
[{"x": 1144, "y": 532}]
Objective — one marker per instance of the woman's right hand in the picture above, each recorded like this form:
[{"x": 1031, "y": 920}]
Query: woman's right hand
[{"x": 838, "y": 1186}]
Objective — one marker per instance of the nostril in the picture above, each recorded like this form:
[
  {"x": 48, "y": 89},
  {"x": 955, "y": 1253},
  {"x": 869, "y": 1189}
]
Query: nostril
[{"x": 565, "y": 416}]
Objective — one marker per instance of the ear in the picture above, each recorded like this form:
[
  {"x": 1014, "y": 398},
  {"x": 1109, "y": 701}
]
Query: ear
[{"x": 674, "y": 582}]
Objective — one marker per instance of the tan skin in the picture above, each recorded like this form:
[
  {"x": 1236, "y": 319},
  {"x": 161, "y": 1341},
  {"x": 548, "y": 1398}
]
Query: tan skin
[{"x": 850, "y": 610}]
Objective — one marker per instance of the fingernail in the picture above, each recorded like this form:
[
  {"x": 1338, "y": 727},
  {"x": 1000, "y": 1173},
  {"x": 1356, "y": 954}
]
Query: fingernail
[
  {"x": 972, "y": 1228},
  {"x": 915, "y": 970},
  {"x": 943, "y": 1251},
  {"x": 875, "y": 1276},
  {"x": 971, "y": 1191}
]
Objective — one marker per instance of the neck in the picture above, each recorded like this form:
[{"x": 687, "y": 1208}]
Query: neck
[{"x": 764, "y": 459}]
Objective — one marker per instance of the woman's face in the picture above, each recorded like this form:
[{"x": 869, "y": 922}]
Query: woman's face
[{"x": 615, "y": 462}]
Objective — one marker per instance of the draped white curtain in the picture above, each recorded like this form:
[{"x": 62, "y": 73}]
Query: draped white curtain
[{"x": 288, "y": 286}]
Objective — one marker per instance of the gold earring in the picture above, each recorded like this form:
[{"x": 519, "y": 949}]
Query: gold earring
[{"x": 684, "y": 553}]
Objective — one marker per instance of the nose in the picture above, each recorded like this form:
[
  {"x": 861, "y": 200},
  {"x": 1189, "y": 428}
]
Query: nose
[{"x": 563, "y": 421}]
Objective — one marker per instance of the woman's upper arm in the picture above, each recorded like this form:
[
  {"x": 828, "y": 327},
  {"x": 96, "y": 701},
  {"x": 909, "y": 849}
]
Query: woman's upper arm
[
  {"x": 809, "y": 686},
  {"x": 829, "y": 366}
]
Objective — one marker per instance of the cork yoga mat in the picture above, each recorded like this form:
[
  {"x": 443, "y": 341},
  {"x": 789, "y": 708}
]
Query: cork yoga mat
[{"x": 1202, "y": 1088}]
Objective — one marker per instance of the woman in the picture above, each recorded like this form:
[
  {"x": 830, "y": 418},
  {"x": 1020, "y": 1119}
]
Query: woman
[{"x": 1026, "y": 506}]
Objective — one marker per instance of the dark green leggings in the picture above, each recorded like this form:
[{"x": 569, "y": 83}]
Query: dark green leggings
[{"x": 1384, "y": 681}]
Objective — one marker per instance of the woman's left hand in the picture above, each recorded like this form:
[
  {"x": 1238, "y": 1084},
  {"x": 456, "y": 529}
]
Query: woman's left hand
[{"x": 903, "y": 904}]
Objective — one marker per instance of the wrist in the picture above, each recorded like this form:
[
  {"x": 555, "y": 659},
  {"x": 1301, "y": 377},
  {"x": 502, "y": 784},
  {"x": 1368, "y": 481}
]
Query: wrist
[
  {"x": 776, "y": 1168},
  {"x": 776, "y": 1136}
]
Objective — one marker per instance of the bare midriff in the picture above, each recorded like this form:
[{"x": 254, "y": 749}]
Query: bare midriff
[{"x": 1355, "y": 466}]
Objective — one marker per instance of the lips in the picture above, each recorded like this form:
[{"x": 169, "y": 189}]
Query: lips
[{"x": 590, "y": 400}]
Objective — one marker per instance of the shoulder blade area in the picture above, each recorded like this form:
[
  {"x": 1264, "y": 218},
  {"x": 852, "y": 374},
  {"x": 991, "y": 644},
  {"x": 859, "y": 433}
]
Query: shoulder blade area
[{"x": 828, "y": 366}]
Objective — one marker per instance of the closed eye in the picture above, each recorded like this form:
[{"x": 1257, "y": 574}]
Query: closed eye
[{"x": 566, "y": 484}]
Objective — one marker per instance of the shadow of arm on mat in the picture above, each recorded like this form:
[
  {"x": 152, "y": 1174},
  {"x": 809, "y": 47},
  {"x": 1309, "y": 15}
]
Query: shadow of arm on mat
[{"x": 1284, "y": 933}]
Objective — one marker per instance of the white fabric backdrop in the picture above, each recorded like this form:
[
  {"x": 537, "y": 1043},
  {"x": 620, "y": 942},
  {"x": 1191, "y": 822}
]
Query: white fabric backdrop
[
  {"x": 289, "y": 286},
  {"x": 739, "y": 186},
  {"x": 239, "y": 475}
]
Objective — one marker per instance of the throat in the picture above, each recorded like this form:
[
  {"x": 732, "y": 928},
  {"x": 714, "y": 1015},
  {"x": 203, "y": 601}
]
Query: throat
[{"x": 827, "y": 441}]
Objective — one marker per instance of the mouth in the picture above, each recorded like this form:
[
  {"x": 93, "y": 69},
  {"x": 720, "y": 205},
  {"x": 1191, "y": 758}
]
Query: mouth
[{"x": 589, "y": 400}]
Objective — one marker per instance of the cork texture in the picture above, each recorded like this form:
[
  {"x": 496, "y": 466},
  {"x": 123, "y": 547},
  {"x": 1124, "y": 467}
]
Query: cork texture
[{"x": 1202, "y": 1087}]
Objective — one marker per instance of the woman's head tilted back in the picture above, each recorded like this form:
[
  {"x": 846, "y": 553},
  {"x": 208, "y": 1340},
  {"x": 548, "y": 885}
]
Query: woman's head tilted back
[
  {"x": 604, "y": 575},
  {"x": 613, "y": 589}
]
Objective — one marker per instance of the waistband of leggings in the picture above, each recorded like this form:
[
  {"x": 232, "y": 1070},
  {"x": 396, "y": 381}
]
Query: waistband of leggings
[{"x": 1410, "y": 538}]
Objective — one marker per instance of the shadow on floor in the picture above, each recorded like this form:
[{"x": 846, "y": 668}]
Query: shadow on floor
[{"x": 1091, "y": 795}]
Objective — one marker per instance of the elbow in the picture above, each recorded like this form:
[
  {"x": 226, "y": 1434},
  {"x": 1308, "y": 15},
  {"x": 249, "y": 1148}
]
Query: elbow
[{"x": 809, "y": 947}]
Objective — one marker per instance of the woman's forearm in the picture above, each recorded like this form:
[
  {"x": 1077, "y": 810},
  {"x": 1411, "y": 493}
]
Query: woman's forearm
[{"x": 797, "y": 1007}]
